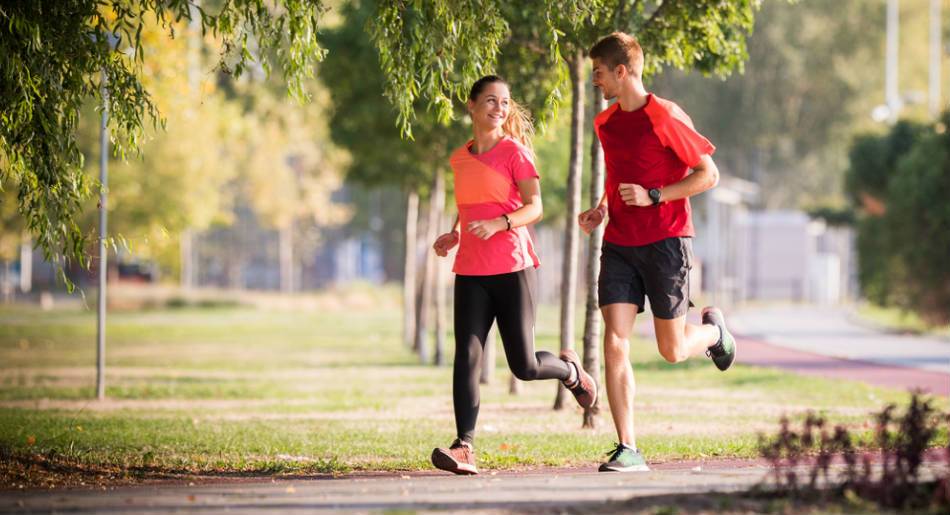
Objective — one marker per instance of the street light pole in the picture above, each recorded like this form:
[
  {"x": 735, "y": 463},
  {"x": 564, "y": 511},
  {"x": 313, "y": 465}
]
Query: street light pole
[
  {"x": 112, "y": 40},
  {"x": 935, "y": 54},
  {"x": 891, "y": 93},
  {"x": 104, "y": 182}
]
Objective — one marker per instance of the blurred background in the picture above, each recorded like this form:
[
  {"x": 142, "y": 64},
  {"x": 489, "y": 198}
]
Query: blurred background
[
  {"x": 274, "y": 304},
  {"x": 247, "y": 190}
]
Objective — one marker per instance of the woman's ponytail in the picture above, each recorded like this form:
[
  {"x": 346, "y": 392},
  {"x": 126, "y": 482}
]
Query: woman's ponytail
[{"x": 519, "y": 125}]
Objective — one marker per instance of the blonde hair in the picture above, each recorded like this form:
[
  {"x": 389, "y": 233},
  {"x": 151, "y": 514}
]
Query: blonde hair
[{"x": 519, "y": 125}]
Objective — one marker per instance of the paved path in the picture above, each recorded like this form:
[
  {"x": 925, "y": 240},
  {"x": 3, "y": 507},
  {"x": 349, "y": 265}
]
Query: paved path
[
  {"x": 834, "y": 331},
  {"x": 539, "y": 491},
  {"x": 830, "y": 342}
]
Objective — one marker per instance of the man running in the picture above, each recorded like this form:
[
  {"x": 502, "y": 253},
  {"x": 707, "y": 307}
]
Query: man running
[{"x": 650, "y": 146}]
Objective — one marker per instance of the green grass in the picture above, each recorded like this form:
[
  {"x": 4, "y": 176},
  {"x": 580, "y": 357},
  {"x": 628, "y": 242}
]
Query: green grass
[
  {"x": 896, "y": 319},
  {"x": 237, "y": 390}
]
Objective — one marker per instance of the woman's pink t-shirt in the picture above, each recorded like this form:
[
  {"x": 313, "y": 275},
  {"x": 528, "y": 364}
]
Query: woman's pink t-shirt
[{"x": 486, "y": 187}]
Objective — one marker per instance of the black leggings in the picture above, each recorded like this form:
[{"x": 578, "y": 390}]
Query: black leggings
[{"x": 480, "y": 300}]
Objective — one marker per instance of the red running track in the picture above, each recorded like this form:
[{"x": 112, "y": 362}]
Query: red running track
[{"x": 761, "y": 354}]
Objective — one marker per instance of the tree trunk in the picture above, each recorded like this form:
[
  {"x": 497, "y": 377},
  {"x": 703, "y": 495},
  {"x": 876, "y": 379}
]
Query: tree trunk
[
  {"x": 420, "y": 282},
  {"x": 428, "y": 277},
  {"x": 592, "y": 315},
  {"x": 440, "y": 271},
  {"x": 6, "y": 285},
  {"x": 26, "y": 263},
  {"x": 409, "y": 271},
  {"x": 186, "y": 241},
  {"x": 286, "y": 257},
  {"x": 569, "y": 271},
  {"x": 489, "y": 354},
  {"x": 441, "y": 308},
  {"x": 514, "y": 385}
]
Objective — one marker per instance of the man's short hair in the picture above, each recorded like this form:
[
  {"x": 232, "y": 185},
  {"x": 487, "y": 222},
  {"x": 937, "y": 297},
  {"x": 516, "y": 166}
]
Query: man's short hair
[{"x": 619, "y": 48}]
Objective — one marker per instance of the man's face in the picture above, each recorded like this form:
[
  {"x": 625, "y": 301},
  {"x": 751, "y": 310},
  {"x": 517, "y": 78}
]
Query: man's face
[{"x": 605, "y": 79}]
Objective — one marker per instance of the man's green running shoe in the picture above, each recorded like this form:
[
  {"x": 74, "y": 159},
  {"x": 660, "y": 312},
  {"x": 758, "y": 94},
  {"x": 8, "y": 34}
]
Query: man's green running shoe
[
  {"x": 723, "y": 353},
  {"x": 625, "y": 459}
]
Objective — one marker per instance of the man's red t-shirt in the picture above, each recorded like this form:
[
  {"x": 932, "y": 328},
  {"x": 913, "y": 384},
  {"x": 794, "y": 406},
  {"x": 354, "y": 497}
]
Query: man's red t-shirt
[{"x": 653, "y": 146}]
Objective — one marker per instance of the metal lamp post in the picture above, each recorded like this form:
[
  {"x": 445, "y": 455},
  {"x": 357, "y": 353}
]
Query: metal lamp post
[{"x": 103, "y": 269}]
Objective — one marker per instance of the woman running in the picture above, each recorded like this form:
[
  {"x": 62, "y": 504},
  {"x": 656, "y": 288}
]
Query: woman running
[{"x": 498, "y": 193}]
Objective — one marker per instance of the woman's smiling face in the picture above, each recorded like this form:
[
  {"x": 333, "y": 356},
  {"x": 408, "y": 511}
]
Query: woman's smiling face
[{"x": 490, "y": 109}]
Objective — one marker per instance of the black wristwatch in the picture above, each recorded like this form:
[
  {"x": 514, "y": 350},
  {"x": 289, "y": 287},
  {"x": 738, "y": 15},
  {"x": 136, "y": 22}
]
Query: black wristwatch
[{"x": 654, "y": 195}]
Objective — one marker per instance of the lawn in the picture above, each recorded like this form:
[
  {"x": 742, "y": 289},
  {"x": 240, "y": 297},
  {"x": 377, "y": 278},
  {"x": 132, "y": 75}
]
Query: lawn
[
  {"x": 901, "y": 321},
  {"x": 262, "y": 391}
]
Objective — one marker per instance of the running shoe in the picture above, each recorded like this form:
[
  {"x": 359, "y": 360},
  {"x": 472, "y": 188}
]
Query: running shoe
[
  {"x": 457, "y": 459},
  {"x": 625, "y": 459},
  {"x": 723, "y": 353},
  {"x": 584, "y": 389}
]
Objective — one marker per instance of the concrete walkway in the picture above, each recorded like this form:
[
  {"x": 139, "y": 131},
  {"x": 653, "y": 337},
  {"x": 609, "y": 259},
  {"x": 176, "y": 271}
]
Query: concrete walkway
[
  {"x": 831, "y": 342},
  {"x": 541, "y": 491},
  {"x": 834, "y": 331}
]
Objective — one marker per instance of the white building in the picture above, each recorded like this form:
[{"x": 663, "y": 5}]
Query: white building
[{"x": 769, "y": 255}]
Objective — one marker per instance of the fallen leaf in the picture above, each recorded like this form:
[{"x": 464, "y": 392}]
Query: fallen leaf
[
  {"x": 31, "y": 440},
  {"x": 191, "y": 498},
  {"x": 290, "y": 489}
]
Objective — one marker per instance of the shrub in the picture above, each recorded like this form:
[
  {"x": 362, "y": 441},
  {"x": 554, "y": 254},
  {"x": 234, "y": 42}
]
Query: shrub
[{"x": 802, "y": 461}]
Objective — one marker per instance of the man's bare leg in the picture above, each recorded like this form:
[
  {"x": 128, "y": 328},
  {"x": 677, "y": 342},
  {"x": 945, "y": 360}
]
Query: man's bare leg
[
  {"x": 618, "y": 324},
  {"x": 677, "y": 341}
]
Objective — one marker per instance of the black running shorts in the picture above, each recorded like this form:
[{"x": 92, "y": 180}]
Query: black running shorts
[{"x": 658, "y": 271}]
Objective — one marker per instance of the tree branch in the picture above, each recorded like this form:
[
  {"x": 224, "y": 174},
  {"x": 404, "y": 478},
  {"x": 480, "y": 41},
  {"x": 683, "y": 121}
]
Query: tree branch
[
  {"x": 531, "y": 45},
  {"x": 621, "y": 13},
  {"x": 656, "y": 14}
]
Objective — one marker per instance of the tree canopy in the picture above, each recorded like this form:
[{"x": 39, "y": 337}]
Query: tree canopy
[
  {"x": 903, "y": 234},
  {"x": 56, "y": 55},
  {"x": 432, "y": 50},
  {"x": 361, "y": 118}
]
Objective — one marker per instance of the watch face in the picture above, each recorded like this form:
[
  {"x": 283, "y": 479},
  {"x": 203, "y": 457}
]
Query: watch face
[{"x": 655, "y": 195}]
